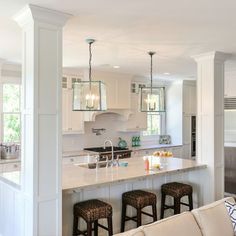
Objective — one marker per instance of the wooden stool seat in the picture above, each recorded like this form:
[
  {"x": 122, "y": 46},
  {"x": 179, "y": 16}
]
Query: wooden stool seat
[
  {"x": 91, "y": 211},
  {"x": 177, "y": 191},
  {"x": 138, "y": 199}
]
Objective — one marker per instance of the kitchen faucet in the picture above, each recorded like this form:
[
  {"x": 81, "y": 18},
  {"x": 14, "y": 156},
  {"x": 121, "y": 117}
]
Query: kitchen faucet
[{"x": 112, "y": 150}]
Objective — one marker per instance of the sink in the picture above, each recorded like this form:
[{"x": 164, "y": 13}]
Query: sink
[
  {"x": 91, "y": 165},
  {"x": 100, "y": 165}
]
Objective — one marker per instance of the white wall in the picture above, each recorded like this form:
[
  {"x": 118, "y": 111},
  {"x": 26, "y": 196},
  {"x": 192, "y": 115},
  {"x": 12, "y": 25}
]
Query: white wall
[
  {"x": 11, "y": 211},
  {"x": 111, "y": 122}
]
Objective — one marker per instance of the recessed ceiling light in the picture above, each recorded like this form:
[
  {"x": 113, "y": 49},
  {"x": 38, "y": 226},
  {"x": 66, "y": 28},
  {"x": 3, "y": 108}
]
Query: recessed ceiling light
[
  {"x": 116, "y": 67},
  {"x": 166, "y": 73}
]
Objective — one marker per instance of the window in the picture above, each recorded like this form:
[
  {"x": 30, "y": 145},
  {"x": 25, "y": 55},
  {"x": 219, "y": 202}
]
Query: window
[
  {"x": 154, "y": 123},
  {"x": 11, "y": 113}
]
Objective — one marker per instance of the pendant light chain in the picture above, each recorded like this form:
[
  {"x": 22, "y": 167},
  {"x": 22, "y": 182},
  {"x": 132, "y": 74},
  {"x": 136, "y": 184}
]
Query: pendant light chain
[
  {"x": 151, "y": 72},
  {"x": 151, "y": 54},
  {"x": 90, "y": 65}
]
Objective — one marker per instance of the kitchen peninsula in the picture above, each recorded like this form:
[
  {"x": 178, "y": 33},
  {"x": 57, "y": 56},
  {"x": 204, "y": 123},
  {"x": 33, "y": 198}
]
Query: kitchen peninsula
[{"x": 80, "y": 183}]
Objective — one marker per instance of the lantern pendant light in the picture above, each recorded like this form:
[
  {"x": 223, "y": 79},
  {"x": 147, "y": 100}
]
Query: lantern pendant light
[
  {"x": 89, "y": 95},
  {"x": 152, "y": 98}
]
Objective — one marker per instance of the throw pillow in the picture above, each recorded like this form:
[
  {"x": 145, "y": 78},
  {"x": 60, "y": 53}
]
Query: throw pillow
[{"x": 231, "y": 208}]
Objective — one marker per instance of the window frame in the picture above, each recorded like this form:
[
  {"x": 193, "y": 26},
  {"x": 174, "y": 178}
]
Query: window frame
[
  {"x": 151, "y": 137},
  {"x": 8, "y": 80}
]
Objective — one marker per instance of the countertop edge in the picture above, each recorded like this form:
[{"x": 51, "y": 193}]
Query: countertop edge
[
  {"x": 95, "y": 185},
  {"x": 10, "y": 183},
  {"x": 154, "y": 146}
]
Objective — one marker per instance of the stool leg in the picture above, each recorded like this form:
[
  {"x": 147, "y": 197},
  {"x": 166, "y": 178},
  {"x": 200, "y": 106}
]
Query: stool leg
[
  {"x": 89, "y": 229},
  {"x": 123, "y": 215},
  {"x": 75, "y": 225},
  {"x": 110, "y": 227},
  {"x": 154, "y": 212},
  {"x": 176, "y": 206},
  {"x": 190, "y": 199},
  {"x": 163, "y": 200},
  {"x": 139, "y": 217},
  {"x": 95, "y": 228}
]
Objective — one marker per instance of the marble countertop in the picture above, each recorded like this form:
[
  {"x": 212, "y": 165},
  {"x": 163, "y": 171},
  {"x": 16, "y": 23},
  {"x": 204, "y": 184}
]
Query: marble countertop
[
  {"x": 12, "y": 178},
  {"x": 154, "y": 146},
  {"x": 230, "y": 144},
  {"x": 76, "y": 177}
]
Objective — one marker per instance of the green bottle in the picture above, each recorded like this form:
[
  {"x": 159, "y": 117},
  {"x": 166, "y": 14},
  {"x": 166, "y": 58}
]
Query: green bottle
[{"x": 133, "y": 141}]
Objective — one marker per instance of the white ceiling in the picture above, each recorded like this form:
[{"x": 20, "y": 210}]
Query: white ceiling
[{"x": 126, "y": 29}]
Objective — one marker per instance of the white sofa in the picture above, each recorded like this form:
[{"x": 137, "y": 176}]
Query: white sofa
[{"x": 210, "y": 220}]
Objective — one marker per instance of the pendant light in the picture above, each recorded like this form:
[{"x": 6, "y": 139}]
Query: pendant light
[
  {"x": 89, "y": 95},
  {"x": 152, "y": 98}
]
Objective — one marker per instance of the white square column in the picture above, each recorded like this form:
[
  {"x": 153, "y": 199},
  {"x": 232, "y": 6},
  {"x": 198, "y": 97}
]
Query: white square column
[
  {"x": 41, "y": 119},
  {"x": 210, "y": 121}
]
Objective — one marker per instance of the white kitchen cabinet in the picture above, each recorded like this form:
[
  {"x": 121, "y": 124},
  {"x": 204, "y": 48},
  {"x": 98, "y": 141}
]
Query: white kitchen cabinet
[
  {"x": 181, "y": 106},
  {"x": 117, "y": 90},
  {"x": 72, "y": 160},
  {"x": 78, "y": 159},
  {"x": 72, "y": 121},
  {"x": 186, "y": 129},
  {"x": 187, "y": 136},
  {"x": 177, "y": 151},
  {"x": 143, "y": 152},
  {"x": 230, "y": 83},
  {"x": 187, "y": 151},
  {"x": 12, "y": 166},
  {"x": 189, "y": 98}
]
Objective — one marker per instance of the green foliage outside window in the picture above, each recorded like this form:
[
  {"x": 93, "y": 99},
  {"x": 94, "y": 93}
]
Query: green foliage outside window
[
  {"x": 153, "y": 124},
  {"x": 11, "y": 113}
]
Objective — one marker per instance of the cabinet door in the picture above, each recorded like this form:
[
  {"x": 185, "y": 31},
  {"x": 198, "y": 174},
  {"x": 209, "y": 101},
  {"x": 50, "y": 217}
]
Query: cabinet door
[
  {"x": 177, "y": 152},
  {"x": 123, "y": 92},
  {"x": 11, "y": 167},
  {"x": 189, "y": 99},
  {"x": 193, "y": 105},
  {"x": 186, "y": 129},
  {"x": 118, "y": 92},
  {"x": 72, "y": 121},
  {"x": 187, "y": 151},
  {"x": 65, "y": 102},
  {"x": 230, "y": 85},
  {"x": 76, "y": 122}
]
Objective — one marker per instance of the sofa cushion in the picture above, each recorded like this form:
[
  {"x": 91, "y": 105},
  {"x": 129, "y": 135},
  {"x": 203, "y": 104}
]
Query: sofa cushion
[
  {"x": 231, "y": 208},
  {"x": 213, "y": 219},
  {"x": 133, "y": 232},
  {"x": 183, "y": 225}
]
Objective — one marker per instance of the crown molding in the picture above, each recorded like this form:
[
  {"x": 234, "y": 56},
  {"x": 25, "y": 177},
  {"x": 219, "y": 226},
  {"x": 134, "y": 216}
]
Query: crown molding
[
  {"x": 31, "y": 13},
  {"x": 214, "y": 55}
]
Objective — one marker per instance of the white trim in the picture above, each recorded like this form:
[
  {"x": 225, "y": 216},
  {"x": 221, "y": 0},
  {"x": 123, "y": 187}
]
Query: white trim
[{"x": 155, "y": 137}]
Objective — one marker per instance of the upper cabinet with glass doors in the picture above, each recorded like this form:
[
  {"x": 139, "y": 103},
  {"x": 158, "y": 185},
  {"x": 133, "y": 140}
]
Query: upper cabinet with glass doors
[{"x": 72, "y": 121}]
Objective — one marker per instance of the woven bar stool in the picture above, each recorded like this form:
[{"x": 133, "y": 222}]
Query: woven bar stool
[
  {"x": 177, "y": 191},
  {"x": 91, "y": 211},
  {"x": 138, "y": 199}
]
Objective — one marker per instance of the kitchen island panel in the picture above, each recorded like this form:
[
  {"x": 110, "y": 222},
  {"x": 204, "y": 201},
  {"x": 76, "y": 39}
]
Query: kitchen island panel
[{"x": 111, "y": 192}]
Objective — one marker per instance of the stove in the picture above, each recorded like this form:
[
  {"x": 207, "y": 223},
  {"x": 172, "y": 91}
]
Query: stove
[{"x": 106, "y": 152}]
